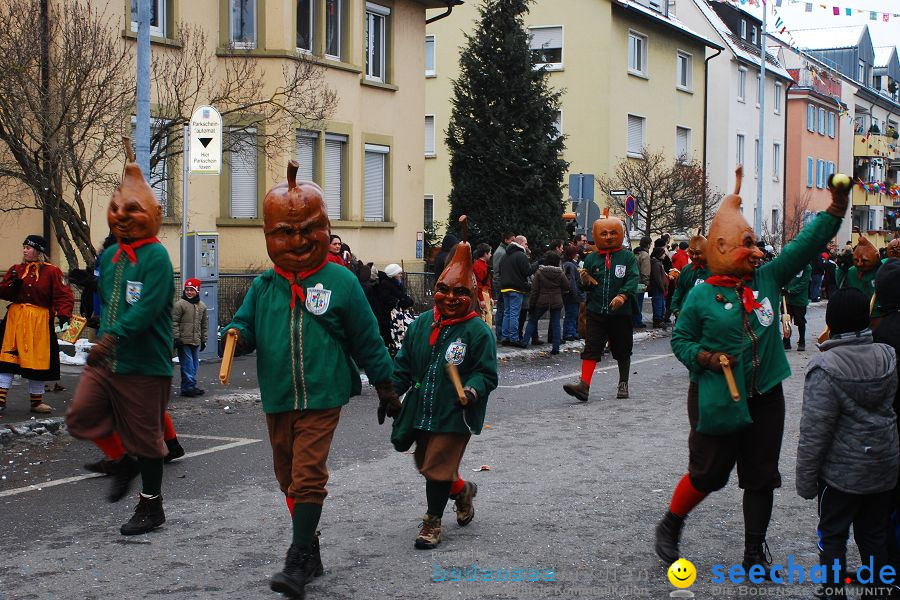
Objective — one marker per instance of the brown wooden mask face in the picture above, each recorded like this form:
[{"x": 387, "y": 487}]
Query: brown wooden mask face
[
  {"x": 133, "y": 212},
  {"x": 609, "y": 233},
  {"x": 296, "y": 224},
  {"x": 731, "y": 248},
  {"x": 865, "y": 256},
  {"x": 893, "y": 249},
  {"x": 455, "y": 288},
  {"x": 697, "y": 250}
]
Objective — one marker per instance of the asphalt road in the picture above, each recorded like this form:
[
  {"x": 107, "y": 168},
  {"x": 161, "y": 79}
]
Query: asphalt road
[{"x": 573, "y": 489}]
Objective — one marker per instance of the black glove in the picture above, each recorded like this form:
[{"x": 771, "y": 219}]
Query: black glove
[
  {"x": 388, "y": 401},
  {"x": 202, "y": 346},
  {"x": 471, "y": 398},
  {"x": 63, "y": 321},
  {"x": 178, "y": 345},
  {"x": 15, "y": 281}
]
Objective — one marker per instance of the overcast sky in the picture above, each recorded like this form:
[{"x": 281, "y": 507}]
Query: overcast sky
[{"x": 795, "y": 16}]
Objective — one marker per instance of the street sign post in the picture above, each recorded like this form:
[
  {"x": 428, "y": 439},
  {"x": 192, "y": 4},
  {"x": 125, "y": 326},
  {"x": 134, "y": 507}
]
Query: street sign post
[{"x": 206, "y": 141}]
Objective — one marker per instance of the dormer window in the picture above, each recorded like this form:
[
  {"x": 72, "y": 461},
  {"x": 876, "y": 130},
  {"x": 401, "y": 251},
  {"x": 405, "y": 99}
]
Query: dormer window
[
  {"x": 861, "y": 72},
  {"x": 753, "y": 34},
  {"x": 743, "y": 29}
]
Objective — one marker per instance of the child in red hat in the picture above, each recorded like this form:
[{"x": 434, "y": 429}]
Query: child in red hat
[{"x": 190, "y": 324}]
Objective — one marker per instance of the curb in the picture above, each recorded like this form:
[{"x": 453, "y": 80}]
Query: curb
[{"x": 44, "y": 428}]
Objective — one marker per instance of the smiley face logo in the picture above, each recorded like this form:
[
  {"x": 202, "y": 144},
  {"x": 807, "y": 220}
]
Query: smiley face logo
[{"x": 682, "y": 573}]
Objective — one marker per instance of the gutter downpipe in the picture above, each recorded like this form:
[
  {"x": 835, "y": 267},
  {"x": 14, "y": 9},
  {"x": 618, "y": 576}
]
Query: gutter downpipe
[
  {"x": 440, "y": 16},
  {"x": 787, "y": 91},
  {"x": 705, "y": 134}
]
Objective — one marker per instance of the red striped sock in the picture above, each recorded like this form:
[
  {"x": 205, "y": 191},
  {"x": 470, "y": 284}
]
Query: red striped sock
[
  {"x": 290, "y": 504},
  {"x": 168, "y": 428},
  {"x": 587, "y": 370},
  {"x": 111, "y": 446},
  {"x": 685, "y": 497},
  {"x": 457, "y": 486}
]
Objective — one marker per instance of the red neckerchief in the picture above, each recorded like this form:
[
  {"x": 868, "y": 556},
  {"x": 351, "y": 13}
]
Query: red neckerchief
[
  {"x": 607, "y": 253},
  {"x": 294, "y": 278},
  {"x": 747, "y": 298},
  {"x": 439, "y": 324},
  {"x": 129, "y": 249}
]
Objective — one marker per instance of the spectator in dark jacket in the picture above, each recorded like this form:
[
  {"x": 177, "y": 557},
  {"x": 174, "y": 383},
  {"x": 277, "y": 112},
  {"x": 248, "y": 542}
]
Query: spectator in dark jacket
[
  {"x": 497, "y": 258},
  {"x": 659, "y": 285},
  {"x": 550, "y": 285},
  {"x": 447, "y": 246},
  {"x": 388, "y": 294},
  {"x": 848, "y": 454},
  {"x": 571, "y": 301},
  {"x": 642, "y": 253},
  {"x": 818, "y": 276},
  {"x": 514, "y": 272},
  {"x": 829, "y": 283}
]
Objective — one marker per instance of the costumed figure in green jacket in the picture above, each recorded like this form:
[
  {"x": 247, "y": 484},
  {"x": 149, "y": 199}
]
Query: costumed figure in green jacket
[
  {"x": 310, "y": 324},
  {"x": 610, "y": 278},
  {"x": 122, "y": 395},
  {"x": 435, "y": 415},
  {"x": 733, "y": 316},
  {"x": 862, "y": 274},
  {"x": 693, "y": 274},
  {"x": 796, "y": 292}
]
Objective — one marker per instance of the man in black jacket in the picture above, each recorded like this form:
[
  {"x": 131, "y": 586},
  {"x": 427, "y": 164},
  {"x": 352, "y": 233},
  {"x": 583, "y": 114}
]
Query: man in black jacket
[{"x": 514, "y": 271}]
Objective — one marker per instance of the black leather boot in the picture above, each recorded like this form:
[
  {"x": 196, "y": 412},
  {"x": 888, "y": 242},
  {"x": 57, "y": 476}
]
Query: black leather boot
[
  {"x": 668, "y": 536},
  {"x": 147, "y": 516},
  {"x": 300, "y": 566},
  {"x": 756, "y": 552}
]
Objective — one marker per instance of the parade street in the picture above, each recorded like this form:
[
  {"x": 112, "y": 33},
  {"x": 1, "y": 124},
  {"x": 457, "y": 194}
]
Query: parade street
[{"x": 572, "y": 488}]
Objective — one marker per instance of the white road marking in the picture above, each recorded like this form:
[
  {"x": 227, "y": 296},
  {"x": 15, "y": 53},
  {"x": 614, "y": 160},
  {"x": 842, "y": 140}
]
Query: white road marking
[
  {"x": 570, "y": 375},
  {"x": 234, "y": 443}
]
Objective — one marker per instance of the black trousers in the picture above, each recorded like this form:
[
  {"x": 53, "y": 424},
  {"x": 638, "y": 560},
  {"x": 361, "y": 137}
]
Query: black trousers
[{"x": 867, "y": 513}]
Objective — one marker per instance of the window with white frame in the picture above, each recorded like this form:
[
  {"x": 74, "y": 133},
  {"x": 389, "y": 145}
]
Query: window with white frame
[
  {"x": 861, "y": 72},
  {"x": 832, "y": 118},
  {"x": 778, "y": 93},
  {"x": 742, "y": 84},
  {"x": 546, "y": 44},
  {"x": 637, "y": 53},
  {"x": 376, "y": 182},
  {"x": 821, "y": 121},
  {"x": 429, "y": 56},
  {"x": 739, "y": 155},
  {"x": 776, "y": 161},
  {"x": 776, "y": 218},
  {"x": 335, "y": 166},
  {"x": 243, "y": 175},
  {"x": 243, "y": 23},
  {"x": 683, "y": 71},
  {"x": 307, "y": 148},
  {"x": 557, "y": 123},
  {"x": 334, "y": 22},
  {"x": 159, "y": 172},
  {"x": 429, "y": 210},
  {"x": 635, "y": 136},
  {"x": 809, "y": 171},
  {"x": 682, "y": 144},
  {"x": 743, "y": 29},
  {"x": 305, "y": 25},
  {"x": 157, "y": 17},
  {"x": 753, "y": 34},
  {"x": 429, "y": 135},
  {"x": 759, "y": 89},
  {"x": 811, "y": 117},
  {"x": 376, "y": 31},
  {"x": 756, "y": 158}
]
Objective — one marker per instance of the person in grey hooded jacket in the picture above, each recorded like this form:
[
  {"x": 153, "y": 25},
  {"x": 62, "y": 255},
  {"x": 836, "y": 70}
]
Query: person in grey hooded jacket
[{"x": 848, "y": 454}]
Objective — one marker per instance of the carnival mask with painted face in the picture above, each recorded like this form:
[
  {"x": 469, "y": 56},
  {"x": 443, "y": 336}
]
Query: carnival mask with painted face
[
  {"x": 133, "y": 212},
  {"x": 893, "y": 249},
  {"x": 697, "y": 250},
  {"x": 296, "y": 223},
  {"x": 609, "y": 233},
  {"x": 865, "y": 256},
  {"x": 731, "y": 248},
  {"x": 454, "y": 291}
]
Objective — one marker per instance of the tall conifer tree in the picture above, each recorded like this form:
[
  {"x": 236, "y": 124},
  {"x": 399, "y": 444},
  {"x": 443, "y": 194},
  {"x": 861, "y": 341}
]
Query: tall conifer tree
[{"x": 506, "y": 165}]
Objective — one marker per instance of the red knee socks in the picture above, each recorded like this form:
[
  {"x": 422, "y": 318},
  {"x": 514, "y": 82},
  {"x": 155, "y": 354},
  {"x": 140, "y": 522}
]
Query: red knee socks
[
  {"x": 457, "y": 486},
  {"x": 168, "y": 429},
  {"x": 587, "y": 370},
  {"x": 111, "y": 446},
  {"x": 290, "y": 504},
  {"x": 685, "y": 497}
]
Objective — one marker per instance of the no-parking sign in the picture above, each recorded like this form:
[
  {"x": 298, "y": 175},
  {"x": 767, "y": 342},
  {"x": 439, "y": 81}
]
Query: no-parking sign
[{"x": 630, "y": 205}]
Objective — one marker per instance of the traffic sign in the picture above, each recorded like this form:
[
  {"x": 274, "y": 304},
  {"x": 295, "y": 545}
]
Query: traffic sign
[
  {"x": 206, "y": 141},
  {"x": 630, "y": 205},
  {"x": 617, "y": 192}
]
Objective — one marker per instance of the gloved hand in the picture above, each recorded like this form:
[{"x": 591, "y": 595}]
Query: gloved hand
[
  {"x": 710, "y": 360},
  {"x": 100, "y": 353},
  {"x": 63, "y": 322},
  {"x": 585, "y": 278},
  {"x": 202, "y": 346},
  {"x": 840, "y": 197},
  {"x": 471, "y": 398},
  {"x": 388, "y": 401},
  {"x": 617, "y": 302},
  {"x": 15, "y": 281}
]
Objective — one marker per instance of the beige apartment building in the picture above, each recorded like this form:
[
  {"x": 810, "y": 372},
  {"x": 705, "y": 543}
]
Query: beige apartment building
[
  {"x": 367, "y": 155},
  {"x": 633, "y": 76}
]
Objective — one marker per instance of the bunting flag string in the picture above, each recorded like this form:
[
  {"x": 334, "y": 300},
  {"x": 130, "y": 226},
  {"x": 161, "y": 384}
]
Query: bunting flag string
[{"x": 837, "y": 10}]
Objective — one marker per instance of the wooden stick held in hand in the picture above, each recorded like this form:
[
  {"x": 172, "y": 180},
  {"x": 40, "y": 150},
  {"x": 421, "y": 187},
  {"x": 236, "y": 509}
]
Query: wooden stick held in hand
[
  {"x": 785, "y": 319},
  {"x": 228, "y": 356},
  {"x": 457, "y": 383},
  {"x": 729, "y": 378}
]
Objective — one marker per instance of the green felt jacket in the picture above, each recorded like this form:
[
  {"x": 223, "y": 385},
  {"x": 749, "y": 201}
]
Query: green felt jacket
[
  {"x": 798, "y": 288},
  {"x": 420, "y": 372},
  {"x": 137, "y": 308},
  {"x": 754, "y": 339},
  {"x": 864, "y": 282},
  {"x": 690, "y": 276},
  {"x": 307, "y": 356},
  {"x": 621, "y": 277}
]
